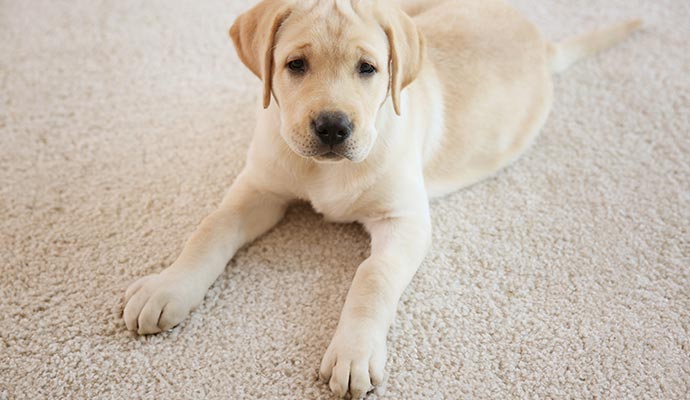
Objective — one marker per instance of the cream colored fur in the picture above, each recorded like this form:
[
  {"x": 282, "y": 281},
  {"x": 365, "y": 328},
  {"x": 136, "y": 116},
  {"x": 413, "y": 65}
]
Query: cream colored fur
[{"x": 462, "y": 89}]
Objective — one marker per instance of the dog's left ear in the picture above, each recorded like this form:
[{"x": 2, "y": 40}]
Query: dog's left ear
[
  {"x": 253, "y": 35},
  {"x": 407, "y": 50}
]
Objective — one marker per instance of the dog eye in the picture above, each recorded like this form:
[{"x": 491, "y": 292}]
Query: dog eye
[
  {"x": 366, "y": 69},
  {"x": 298, "y": 65}
]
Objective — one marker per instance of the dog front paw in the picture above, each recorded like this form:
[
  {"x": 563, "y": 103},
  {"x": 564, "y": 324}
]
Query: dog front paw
[
  {"x": 158, "y": 302},
  {"x": 354, "y": 361}
]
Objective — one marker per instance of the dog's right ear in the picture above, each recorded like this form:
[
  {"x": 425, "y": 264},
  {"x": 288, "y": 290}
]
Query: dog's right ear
[{"x": 253, "y": 35}]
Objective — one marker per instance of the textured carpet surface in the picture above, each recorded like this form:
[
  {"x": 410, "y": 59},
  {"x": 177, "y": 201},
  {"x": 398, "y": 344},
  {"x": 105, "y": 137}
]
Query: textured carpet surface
[{"x": 122, "y": 123}]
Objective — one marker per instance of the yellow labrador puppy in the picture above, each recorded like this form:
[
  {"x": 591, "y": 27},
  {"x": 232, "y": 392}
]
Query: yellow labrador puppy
[{"x": 368, "y": 109}]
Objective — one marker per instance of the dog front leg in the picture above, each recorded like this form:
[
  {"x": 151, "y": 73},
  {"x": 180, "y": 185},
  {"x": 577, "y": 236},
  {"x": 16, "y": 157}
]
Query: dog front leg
[
  {"x": 356, "y": 357},
  {"x": 160, "y": 301}
]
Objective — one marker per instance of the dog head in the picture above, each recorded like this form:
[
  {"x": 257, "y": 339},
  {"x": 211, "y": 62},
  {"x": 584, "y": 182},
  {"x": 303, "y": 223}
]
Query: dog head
[{"x": 330, "y": 65}]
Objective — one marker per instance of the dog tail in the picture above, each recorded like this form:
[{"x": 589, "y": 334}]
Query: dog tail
[{"x": 564, "y": 54}]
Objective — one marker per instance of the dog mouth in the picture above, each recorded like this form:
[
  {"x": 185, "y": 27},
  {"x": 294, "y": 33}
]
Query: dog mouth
[{"x": 329, "y": 156}]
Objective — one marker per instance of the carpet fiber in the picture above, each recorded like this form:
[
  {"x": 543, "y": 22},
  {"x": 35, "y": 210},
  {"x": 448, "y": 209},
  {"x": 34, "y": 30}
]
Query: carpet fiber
[{"x": 122, "y": 123}]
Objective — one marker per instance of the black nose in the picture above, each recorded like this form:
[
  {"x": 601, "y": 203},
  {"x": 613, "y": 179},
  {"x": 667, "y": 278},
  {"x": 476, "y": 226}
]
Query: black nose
[{"x": 332, "y": 127}]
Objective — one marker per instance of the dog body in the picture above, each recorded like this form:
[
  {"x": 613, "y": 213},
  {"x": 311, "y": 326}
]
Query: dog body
[
  {"x": 495, "y": 80},
  {"x": 367, "y": 111}
]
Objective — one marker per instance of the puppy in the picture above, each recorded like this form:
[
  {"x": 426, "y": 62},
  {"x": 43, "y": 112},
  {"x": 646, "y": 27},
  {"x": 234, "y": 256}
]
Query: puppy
[{"x": 369, "y": 108}]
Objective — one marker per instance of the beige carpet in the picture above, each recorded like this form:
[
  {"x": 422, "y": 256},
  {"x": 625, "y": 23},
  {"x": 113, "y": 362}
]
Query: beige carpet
[{"x": 123, "y": 122}]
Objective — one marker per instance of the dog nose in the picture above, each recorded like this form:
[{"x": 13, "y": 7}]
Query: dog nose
[{"x": 332, "y": 127}]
